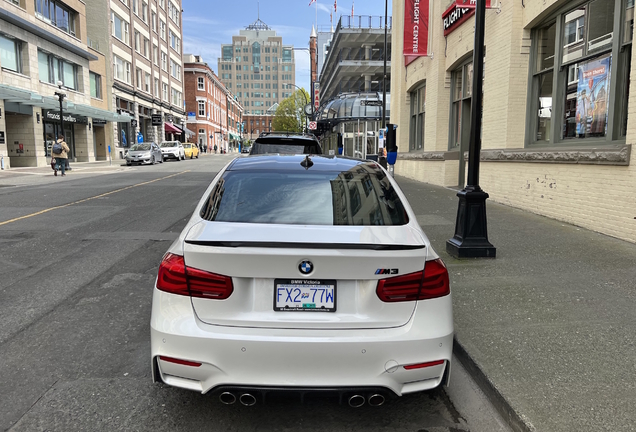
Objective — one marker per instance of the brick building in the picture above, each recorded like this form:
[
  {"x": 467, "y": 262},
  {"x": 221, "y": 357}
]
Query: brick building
[
  {"x": 559, "y": 108},
  {"x": 214, "y": 113}
]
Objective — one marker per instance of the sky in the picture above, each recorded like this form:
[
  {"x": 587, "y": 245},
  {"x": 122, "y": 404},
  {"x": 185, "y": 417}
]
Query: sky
[{"x": 209, "y": 23}]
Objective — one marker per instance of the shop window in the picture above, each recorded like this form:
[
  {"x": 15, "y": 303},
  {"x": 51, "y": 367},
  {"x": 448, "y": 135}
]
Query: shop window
[
  {"x": 461, "y": 96},
  {"x": 418, "y": 109},
  {"x": 11, "y": 54},
  {"x": 582, "y": 93}
]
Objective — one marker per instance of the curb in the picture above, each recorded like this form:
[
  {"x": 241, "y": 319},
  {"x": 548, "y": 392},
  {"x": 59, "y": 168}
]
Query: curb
[{"x": 494, "y": 396}]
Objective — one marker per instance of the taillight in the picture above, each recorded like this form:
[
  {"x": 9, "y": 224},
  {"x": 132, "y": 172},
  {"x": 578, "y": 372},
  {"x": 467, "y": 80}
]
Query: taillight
[
  {"x": 172, "y": 276},
  {"x": 196, "y": 283},
  {"x": 422, "y": 285}
]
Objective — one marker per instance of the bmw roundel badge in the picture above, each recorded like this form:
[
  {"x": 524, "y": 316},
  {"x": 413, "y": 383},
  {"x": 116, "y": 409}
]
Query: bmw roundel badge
[{"x": 306, "y": 267}]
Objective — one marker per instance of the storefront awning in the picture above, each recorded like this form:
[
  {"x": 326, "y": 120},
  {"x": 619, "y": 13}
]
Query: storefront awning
[
  {"x": 172, "y": 128},
  {"x": 27, "y": 97},
  {"x": 234, "y": 136},
  {"x": 352, "y": 107},
  {"x": 187, "y": 131}
]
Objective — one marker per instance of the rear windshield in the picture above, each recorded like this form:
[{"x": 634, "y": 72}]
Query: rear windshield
[
  {"x": 363, "y": 196},
  {"x": 168, "y": 144},
  {"x": 261, "y": 148}
]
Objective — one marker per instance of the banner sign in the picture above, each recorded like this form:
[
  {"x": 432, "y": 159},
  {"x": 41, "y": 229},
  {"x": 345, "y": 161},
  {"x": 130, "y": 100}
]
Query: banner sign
[
  {"x": 156, "y": 119},
  {"x": 415, "y": 29},
  {"x": 316, "y": 95}
]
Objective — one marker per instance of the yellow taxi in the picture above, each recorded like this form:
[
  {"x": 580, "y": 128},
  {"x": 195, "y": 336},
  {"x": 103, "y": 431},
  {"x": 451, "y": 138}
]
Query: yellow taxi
[{"x": 191, "y": 150}]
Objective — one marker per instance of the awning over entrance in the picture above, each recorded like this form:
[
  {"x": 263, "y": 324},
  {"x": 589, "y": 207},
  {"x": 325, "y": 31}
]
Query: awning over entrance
[
  {"x": 172, "y": 128},
  {"x": 187, "y": 131},
  {"x": 27, "y": 97},
  {"x": 234, "y": 136}
]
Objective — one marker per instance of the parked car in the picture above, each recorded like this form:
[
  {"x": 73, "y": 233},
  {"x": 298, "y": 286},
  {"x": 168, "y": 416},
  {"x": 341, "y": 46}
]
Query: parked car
[
  {"x": 302, "y": 274},
  {"x": 191, "y": 150},
  {"x": 245, "y": 149},
  {"x": 286, "y": 143},
  {"x": 144, "y": 153},
  {"x": 172, "y": 150}
]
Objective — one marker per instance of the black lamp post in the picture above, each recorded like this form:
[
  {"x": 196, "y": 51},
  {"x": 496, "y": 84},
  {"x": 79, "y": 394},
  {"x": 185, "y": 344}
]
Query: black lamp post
[
  {"x": 306, "y": 103},
  {"x": 61, "y": 94},
  {"x": 471, "y": 228}
]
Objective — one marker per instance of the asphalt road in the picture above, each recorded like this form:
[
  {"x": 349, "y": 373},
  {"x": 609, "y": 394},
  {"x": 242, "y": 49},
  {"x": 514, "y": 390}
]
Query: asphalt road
[{"x": 78, "y": 258}]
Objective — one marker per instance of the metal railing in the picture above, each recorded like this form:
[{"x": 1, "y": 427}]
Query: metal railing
[{"x": 364, "y": 21}]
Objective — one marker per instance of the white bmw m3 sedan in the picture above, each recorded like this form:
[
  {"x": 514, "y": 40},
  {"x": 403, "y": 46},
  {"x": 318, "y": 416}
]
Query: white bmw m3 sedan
[{"x": 302, "y": 274}]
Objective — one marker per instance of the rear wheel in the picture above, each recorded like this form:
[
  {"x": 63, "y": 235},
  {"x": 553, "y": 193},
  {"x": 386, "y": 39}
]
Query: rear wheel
[{"x": 191, "y": 155}]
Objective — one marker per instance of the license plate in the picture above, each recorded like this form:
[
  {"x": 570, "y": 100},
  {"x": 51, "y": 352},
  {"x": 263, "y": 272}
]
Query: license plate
[{"x": 294, "y": 295}]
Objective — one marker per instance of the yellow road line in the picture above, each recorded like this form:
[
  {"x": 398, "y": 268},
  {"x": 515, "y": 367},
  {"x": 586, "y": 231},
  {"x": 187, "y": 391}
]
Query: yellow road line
[{"x": 89, "y": 199}]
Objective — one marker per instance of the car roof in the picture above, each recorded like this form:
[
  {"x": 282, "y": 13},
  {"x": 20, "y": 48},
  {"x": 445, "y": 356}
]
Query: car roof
[
  {"x": 278, "y": 163},
  {"x": 287, "y": 137}
]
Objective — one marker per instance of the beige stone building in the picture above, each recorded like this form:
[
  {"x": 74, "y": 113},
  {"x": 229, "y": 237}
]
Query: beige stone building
[
  {"x": 559, "y": 108},
  {"x": 43, "y": 50},
  {"x": 258, "y": 68}
]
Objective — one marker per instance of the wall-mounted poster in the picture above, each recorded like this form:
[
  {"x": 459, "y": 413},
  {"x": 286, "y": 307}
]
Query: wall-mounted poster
[{"x": 592, "y": 97}]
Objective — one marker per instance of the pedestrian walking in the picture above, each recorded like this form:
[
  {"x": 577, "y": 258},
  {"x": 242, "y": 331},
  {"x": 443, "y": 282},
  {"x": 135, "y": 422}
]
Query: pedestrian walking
[
  {"x": 215, "y": 148},
  {"x": 60, "y": 152}
]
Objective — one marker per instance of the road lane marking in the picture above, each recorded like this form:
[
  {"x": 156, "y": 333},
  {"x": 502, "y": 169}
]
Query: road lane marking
[{"x": 89, "y": 199}]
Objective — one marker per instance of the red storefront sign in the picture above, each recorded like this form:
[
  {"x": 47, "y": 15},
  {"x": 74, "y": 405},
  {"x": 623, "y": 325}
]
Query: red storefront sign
[
  {"x": 415, "y": 29},
  {"x": 459, "y": 12}
]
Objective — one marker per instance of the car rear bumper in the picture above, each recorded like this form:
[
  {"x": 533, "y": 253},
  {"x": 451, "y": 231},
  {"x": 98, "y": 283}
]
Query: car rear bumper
[{"x": 293, "y": 358}]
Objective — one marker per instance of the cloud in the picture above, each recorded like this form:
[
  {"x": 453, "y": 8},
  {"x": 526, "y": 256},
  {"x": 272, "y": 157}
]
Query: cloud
[
  {"x": 324, "y": 8},
  {"x": 199, "y": 20}
]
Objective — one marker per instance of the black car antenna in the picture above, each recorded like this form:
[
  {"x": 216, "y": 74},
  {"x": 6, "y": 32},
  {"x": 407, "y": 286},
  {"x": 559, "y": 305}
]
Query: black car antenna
[{"x": 307, "y": 163}]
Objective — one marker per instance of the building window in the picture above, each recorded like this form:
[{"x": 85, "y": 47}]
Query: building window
[
  {"x": 121, "y": 69},
  {"x": 175, "y": 70},
  {"x": 156, "y": 87},
  {"x": 418, "y": 109},
  {"x": 581, "y": 93},
  {"x": 11, "y": 54},
  {"x": 176, "y": 97},
  {"x": 164, "y": 61},
  {"x": 96, "y": 85},
  {"x": 201, "y": 83},
  {"x": 201, "y": 108},
  {"x": 120, "y": 28},
  {"x": 56, "y": 13},
  {"x": 137, "y": 44},
  {"x": 162, "y": 29},
  {"x": 155, "y": 54},
  {"x": 165, "y": 91},
  {"x": 461, "y": 95},
  {"x": 175, "y": 42},
  {"x": 153, "y": 19},
  {"x": 52, "y": 69},
  {"x": 147, "y": 82},
  {"x": 135, "y": 7},
  {"x": 138, "y": 78},
  {"x": 144, "y": 11}
]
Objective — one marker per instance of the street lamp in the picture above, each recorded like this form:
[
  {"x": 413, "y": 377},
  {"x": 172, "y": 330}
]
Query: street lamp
[
  {"x": 61, "y": 94},
  {"x": 306, "y": 102}
]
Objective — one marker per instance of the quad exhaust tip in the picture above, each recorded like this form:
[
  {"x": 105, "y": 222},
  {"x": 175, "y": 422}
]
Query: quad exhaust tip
[
  {"x": 247, "y": 399},
  {"x": 227, "y": 398},
  {"x": 376, "y": 400},
  {"x": 356, "y": 401}
]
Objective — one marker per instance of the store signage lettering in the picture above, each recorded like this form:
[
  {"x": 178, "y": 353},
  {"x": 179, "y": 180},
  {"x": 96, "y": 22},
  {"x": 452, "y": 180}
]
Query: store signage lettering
[
  {"x": 156, "y": 119},
  {"x": 472, "y": 4},
  {"x": 415, "y": 28},
  {"x": 68, "y": 118},
  {"x": 455, "y": 16}
]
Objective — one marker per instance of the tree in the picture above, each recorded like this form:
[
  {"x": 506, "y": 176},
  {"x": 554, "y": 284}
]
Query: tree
[{"x": 290, "y": 114}]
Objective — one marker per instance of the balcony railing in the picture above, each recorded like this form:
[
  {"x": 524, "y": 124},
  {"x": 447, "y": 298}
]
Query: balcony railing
[{"x": 364, "y": 21}]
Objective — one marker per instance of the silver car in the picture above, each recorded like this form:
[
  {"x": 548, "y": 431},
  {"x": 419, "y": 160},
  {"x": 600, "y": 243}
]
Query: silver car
[
  {"x": 144, "y": 153},
  {"x": 172, "y": 150}
]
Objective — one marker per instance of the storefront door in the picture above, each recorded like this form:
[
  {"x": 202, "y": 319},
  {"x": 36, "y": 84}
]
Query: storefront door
[{"x": 462, "y": 92}]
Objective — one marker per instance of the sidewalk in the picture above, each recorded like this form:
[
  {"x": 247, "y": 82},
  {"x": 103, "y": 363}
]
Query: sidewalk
[
  {"x": 548, "y": 328},
  {"x": 25, "y": 176}
]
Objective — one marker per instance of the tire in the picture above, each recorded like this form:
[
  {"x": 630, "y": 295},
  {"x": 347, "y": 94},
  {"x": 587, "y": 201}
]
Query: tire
[
  {"x": 127, "y": 164},
  {"x": 191, "y": 155}
]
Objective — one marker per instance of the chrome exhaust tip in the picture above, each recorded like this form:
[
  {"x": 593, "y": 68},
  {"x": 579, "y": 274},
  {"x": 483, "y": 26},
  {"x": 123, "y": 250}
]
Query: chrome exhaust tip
[
  {"x": 247, "y": 399},
  {"x": 376, "y": 400},
  {"x": 356, "y": 401},
  {"x": 227, "y": 398}
]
